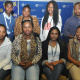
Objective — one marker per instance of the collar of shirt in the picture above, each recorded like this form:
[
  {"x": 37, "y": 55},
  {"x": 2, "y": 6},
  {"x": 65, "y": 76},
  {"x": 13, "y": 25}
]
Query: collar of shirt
[
  {"x": 76, "y": 17},
  {"x": 6, "y": 16}
]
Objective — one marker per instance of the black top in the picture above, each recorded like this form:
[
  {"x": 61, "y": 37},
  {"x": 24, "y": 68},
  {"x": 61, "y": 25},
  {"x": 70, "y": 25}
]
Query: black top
[
  {"x": 63, "y": 50},
  {"x": 63, "y": 53}
]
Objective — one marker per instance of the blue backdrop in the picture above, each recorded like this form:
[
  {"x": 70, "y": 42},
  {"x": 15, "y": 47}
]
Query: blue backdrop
[
  {"x": 38, "y": 9},
  {"x": 15, "y": 8}
]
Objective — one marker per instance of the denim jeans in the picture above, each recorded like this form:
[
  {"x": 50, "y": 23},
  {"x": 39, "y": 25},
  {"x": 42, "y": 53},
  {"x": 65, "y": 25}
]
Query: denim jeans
[
  {"x": 53, "y": 75},
  {"x": 31, "y": 73},
  {"x": 4, "y": 73}
]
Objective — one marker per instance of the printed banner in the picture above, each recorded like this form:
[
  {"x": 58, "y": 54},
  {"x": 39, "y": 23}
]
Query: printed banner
[
  {"x": 15, "y": 8},
  {"x": 38, "y": 10}
]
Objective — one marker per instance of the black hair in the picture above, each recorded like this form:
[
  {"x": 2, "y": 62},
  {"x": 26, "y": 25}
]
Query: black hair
[
  {"x": 76, "y": 3},
  {"x": 35, "y": 34},
  {"x": 8, "y": 2},
  {"x": 77, "y": 27},
  {"x": 55, "y": 14},
  {"x": 28, "y": 6},
  {"x": 2, "y": 25},
  {"x": 26, "y": 21},
  {"x": 53, "y": 28}
]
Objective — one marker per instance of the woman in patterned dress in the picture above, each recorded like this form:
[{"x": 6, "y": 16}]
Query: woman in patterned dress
[{"x": 26, "y": 53}]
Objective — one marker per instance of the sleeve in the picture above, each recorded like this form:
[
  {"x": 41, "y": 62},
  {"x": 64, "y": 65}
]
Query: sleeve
[
  {"x": 44, "y": 59},
  {"x": 66, "y": 28},
  {"x": 43, "y": 62},
  {"x": 64, "y": 51},
  {"x": 7, "y": 58},
  {"x": 59, "y": 25},
  {"x": 36, "y": 27},
  {"x": 17, "y": 28},
  {"x": 15, "y": 52},
  {"x": 41, "y": 34},
  {"x": 63, "y": 60},
  {"x": 39, "y": 53}
]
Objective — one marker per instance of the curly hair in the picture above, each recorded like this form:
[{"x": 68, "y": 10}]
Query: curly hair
[{"x": 55, "y": 14}]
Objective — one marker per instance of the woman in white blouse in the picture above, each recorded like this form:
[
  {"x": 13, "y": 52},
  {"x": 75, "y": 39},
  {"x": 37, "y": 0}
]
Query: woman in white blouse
[
  {"x": 5, "y": 53},
  {"x": 50, "y": 19},
  {"x": 54, "y": 53}
]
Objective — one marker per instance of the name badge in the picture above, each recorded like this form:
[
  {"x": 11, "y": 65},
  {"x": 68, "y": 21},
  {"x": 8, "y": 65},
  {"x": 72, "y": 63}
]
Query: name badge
[{"x": 8, "y": 32}]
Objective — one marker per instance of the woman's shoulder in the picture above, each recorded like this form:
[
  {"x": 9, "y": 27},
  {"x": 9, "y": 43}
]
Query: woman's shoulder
[
  {"x": 7, "y": 40},
  {"x": 45, "y": 42},
  {"x": 71, "y": 41},
  {"x": 62, "y": 43},
  {"x": 19, "y": 18},
  {"x": 34, "y": 18},
  {"x": 18, "y": 38}
]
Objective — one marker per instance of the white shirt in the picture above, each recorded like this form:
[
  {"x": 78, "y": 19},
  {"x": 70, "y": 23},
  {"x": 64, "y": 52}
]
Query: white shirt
[
  {"x": 5, "y": 54},
  {"x": 9, "y": 18},
  {"x": 54, "y": 56},
  {"x": 6, "y": 16},
  {"x": 43, "y": 35}
]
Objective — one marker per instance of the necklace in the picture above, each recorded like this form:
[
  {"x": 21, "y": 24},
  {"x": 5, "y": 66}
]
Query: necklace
[{"x": 53, "y": 52}]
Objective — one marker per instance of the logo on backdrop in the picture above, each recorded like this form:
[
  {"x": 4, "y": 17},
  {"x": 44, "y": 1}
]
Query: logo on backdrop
[
  {"x": 39, "y": 5},
  {"x": 38, "y": 9},
  {"x": 15, "y": 8},
  {"x": 1, "y": 10}
]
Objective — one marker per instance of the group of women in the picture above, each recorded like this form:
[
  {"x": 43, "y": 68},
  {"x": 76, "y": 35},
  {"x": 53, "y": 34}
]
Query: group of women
[{"x": 28, "y": 52}]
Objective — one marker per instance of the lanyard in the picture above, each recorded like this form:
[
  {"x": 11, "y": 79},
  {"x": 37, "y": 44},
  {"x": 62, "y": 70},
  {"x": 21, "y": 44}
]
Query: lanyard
[
  {"x": 6, "y": 21},
  {"x": 52, "y": 49}
]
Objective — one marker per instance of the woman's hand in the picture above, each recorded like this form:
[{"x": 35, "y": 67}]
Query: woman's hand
[
  {"x": 21, "y": 64},
  {"x": 27, "y": 64},
  {"x": 78, "y": 64},
  {"x": 53, "y": 63},
  {"x": 50, "y": 66}
]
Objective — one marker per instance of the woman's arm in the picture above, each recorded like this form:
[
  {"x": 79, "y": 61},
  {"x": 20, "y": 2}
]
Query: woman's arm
[
  {"x": 71, "y": 59},
  {"x": 15, "y": 52},
  {"x": 7, "y": 59},
  {"x": 56, "y": 62}
]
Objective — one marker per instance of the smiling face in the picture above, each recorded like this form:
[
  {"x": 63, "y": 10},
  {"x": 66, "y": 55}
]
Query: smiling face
[
  {"x": 50, "y": 9},
  {"x": 27, "y": 28},
  {"x": 8, "y": 8},
  {"x": 54, "y": 35},
  {"x": 78, "y": 34},
  {"x": 26, "y": 12},
  {"x": 2, "y": 32},
  {"x": 77, "y": 10}
]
